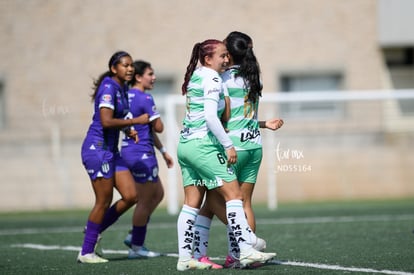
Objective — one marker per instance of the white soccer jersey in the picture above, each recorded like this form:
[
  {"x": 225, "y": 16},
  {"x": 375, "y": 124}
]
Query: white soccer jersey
[
  {"x": 205, "y": 84},
  {"x": 243, "y": 125}
]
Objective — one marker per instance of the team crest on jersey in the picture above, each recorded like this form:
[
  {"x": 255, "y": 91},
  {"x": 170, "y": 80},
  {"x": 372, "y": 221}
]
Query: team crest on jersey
[
  {"x": 230, "y": 171},
  {"x": 107, "y": 98}
]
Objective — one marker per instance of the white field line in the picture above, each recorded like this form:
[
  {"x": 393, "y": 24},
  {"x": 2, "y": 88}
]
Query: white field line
[
  {"x": 291, "y": 263},
  {"x": 275, "y": 221},
  {"x": 343, "y": 268},
  {"x": 343, "y": 219}
]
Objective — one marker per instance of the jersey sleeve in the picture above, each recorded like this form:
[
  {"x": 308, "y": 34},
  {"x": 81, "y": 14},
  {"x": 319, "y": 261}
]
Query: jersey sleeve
[
  {"x": 212, "y": 90},
  {"x": 150, "y": 108},
  {"x": 107, "y": 97}
]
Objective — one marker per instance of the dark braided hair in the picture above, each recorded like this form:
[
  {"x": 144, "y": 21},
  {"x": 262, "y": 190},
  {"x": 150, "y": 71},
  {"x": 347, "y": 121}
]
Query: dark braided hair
[{"x": 200, "y": 51}]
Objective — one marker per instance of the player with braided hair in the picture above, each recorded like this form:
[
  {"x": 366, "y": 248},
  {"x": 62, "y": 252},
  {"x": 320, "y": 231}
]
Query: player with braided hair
[
  {"x": 242, "y": 80},
  {"x": 205, "y": 152}
]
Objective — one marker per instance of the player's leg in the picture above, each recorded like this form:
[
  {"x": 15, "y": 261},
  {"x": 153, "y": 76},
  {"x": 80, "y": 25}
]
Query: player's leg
[
  {"x": 236, "y": 219},
  {"x": 193, "y": 196},
  {"x": 148, "y": 198},
  {"x": 194, "y": 190},
  {"x": 103, "y": 189},
  {"x": 125, "y": 184},
  {"x": 202, "y": 234}
]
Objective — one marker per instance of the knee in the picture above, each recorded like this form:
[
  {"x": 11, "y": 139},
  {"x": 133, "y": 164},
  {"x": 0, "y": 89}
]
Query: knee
[
  {"x": 236, "y": 195},
  {"x": 130, "y": 199}
]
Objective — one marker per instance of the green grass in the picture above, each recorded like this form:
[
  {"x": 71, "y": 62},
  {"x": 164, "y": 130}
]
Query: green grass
[{"x": 375, "y": 235}]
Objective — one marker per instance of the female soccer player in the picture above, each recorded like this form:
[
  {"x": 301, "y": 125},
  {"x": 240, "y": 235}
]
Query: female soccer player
[
  {"x": 141, "y": 160},
  {"x": 242, "y": 79},
  {"x": 205, "y": 152},
  {"x": 100, "y": 147}
]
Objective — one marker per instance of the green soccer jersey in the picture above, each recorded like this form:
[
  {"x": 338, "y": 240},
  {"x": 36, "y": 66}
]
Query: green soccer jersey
[
  {"x": 205, "y": 84},
  {"x": 243, "y": 125}
]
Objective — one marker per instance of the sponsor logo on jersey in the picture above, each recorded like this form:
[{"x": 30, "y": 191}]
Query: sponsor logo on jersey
[
  {"x": 250, "y": 134},
  {"x": 213, "y": 91},
  {"x": 139, "y": 175},
  {"x": 107, "y": 98}
]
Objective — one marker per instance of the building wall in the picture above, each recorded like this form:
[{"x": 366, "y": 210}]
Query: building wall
[{"x": 52, "y": 50}]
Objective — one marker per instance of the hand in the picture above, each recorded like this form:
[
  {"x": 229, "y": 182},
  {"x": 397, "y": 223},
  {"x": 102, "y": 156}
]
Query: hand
[
  {"x": 168, "y": 160},
  {"x": 274, "y": 123},
  {"x": 132, "y": 133},
  {"x": 231, "y": 155},
  {"x": 142, "y": 119}
]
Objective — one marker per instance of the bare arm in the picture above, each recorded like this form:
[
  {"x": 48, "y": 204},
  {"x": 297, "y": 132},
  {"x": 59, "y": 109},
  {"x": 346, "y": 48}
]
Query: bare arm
[
  {"x": 157, "y": 143},
  {"x": 271, "y": 124},
  {"x": 108, "y": 120}
]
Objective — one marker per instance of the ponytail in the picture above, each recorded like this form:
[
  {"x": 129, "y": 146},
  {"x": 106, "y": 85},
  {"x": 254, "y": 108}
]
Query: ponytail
[
  {"x": 250, "y": 71},
  {"x": 200, "y": 51},
  {"x": 240, "y": 47},
  {"x": 191, "y": 67},
  {"x": 97, "y": 83}
]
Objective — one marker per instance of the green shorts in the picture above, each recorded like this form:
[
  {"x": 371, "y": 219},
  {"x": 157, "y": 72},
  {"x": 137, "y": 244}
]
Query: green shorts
[
  {"x": 247, "y": 165},
  {"x": 203, "y": 162}
]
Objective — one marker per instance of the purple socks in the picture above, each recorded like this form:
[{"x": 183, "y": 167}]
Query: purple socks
[
  {"x": 91, "y": 236},
  {"x": 111, "y": 216},
  {"x": 138, "y": 235}
]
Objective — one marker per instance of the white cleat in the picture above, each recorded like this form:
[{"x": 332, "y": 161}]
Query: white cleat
[
  {"x": 251, "y": 256},
  {"x": 98, "y": 248},
  {"x": 143, "y": 252},
  {"x": 191, "y": 264},
  {"x": 260, "y": 245},
  {"x": 90, "y": 258}
]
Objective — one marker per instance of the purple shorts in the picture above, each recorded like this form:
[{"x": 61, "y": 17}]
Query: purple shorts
[
  {"x": 143, "y": 166},
  {"x": 100, "y": 162}
]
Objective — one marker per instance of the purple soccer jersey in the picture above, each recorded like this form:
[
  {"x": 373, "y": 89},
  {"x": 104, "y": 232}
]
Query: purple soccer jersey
[
  {"x": 100, "y": 146},
  {"x": 140, "y": 157}
]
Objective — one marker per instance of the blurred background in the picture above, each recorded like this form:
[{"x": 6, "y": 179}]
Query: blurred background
[{"x": 340, "y": 74}]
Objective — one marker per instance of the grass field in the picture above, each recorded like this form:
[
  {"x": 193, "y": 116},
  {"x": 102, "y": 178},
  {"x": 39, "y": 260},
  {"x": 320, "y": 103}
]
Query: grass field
[{"x": 374, "y": 237}]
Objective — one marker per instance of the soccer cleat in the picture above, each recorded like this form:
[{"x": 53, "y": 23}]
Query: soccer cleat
[
  {"x": 231, "y": 262},
  {"x": 90, "y": 258},
  {"x": 260, "y": 245},
  {"x": 128, "y": 239},
  {"x": 190, "y": 264},
  {"x": 142, "y": 252},
  {"x": 251, "y": 256},
  {"x": 207, "y": 260},
  {"x": 98, "y": 248}
]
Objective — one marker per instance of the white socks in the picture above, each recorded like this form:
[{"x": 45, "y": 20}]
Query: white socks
[
  {"x": 193, "y": 231},
  {"x": 185, "y": 230},
  {"x": 237, "y": 221},
  {"x": 201, "y": 236}
]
